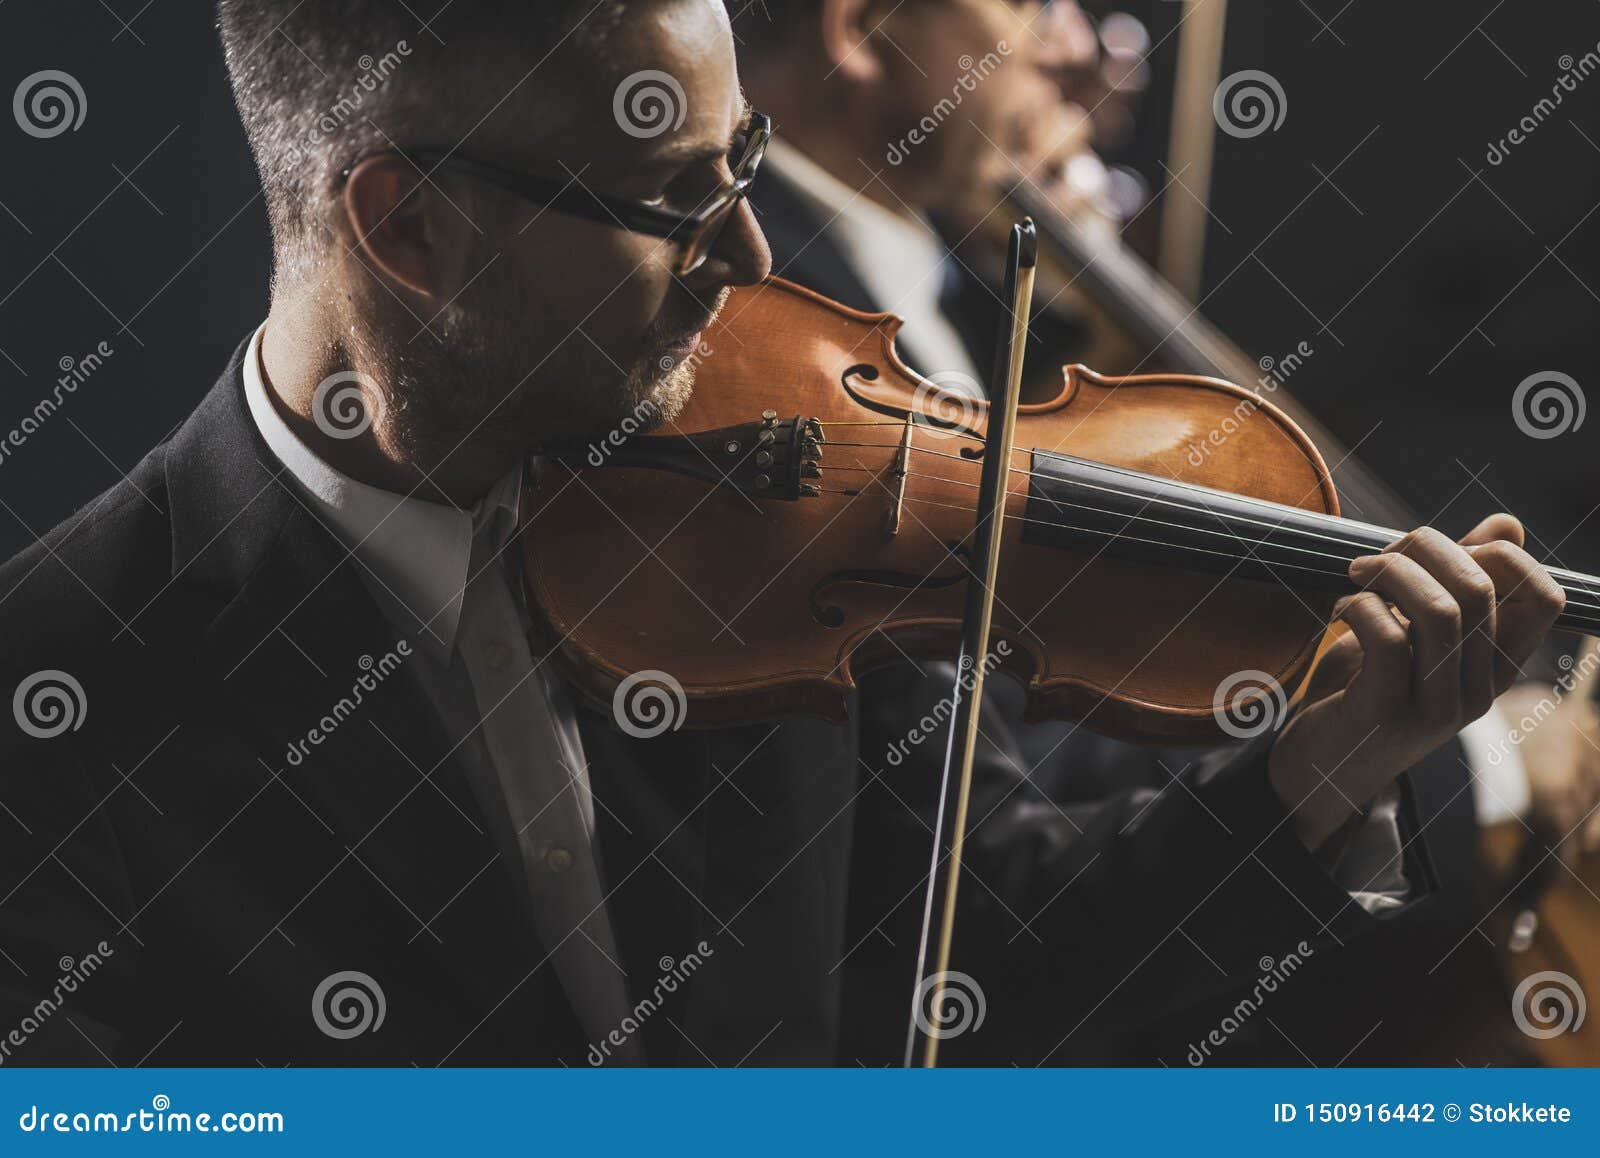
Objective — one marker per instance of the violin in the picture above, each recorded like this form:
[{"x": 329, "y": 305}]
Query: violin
[{"x": 811, "y": 512}]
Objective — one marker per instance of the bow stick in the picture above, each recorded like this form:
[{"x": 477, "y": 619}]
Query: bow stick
[{"x": 977, "y": 616}]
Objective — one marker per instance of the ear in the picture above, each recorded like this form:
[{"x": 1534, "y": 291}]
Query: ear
[
  {"x": 847, "y": 38},
  {"x": 396, "y": 219}
]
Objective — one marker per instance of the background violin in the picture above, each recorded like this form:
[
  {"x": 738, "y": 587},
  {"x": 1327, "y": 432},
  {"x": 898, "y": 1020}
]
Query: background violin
[{"x": 1139, "y": 319}]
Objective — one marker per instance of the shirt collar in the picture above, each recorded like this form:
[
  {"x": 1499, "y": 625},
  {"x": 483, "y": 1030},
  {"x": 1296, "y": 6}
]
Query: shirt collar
[{"x": 416, "y": 553}]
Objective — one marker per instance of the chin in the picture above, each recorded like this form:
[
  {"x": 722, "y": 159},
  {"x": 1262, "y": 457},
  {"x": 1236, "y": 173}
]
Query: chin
[{"x": 669, "y": 393}]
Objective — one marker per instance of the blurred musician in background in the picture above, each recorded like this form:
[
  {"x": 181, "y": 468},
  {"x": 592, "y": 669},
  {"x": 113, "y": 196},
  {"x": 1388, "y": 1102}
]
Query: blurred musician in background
[{"x": 898, "y": 129}]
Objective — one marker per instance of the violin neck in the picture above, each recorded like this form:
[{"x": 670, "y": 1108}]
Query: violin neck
[
  {"x": 1082, "y": 505},
  {"x": 1582, "y": 613}
]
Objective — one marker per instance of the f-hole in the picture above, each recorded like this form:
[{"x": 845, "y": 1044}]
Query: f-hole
[
  {"x": 867, "y": 372},
  {"x": 832, "y": 615}
]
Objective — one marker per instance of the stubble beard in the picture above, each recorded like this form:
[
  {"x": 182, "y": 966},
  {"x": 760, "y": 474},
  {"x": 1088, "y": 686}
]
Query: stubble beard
[{"x": 476, "y": 390}]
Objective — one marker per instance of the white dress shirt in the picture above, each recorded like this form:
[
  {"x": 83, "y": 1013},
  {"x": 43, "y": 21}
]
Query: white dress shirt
[
  {"x": 1500, "y": 788},
  {"x": 439, "y": 576}
]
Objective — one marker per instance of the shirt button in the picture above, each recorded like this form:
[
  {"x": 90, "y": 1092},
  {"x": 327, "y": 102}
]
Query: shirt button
[
  {"x": 497, "y": 655},
  {"x": 558, "y": 860}
]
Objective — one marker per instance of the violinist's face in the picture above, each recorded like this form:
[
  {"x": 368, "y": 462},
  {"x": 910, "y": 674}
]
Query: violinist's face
[
  {"x": 564, "y": 327},
  {"x": 968, "y": 67}
]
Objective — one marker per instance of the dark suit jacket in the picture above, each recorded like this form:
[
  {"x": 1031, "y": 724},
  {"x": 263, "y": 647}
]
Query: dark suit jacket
[{"x": 211, "y": 621}]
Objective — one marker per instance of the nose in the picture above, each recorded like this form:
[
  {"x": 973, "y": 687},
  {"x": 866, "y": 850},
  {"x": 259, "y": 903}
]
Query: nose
[{"x": 740, "y": 257}]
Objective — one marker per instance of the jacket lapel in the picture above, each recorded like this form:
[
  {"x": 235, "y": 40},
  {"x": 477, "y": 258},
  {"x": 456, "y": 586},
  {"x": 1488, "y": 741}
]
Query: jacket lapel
[{"x": 306, "y": 665}]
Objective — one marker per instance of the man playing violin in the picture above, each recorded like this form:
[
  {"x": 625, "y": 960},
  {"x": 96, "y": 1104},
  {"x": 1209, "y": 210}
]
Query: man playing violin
[{"x": 283, "y": 762}]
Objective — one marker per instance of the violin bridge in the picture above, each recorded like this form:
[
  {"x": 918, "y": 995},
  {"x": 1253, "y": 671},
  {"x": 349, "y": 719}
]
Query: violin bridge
[{"x": 899, "y": 471}]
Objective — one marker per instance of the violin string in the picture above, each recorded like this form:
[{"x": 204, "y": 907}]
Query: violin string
[
  {"x": 1131, "y": 517},
  {"x": 1108, "y": 467},
  {"x": 1265, "y": 504},
  {"x": 1327, "y": 520},
  {"x": 1577, "y": 616},
  {"x": 1573, "y": 580},
  {"x": 1333, "y": 522},
  {"x": 1574, "y": 607},
  {"x": 1330, "y": 520}
]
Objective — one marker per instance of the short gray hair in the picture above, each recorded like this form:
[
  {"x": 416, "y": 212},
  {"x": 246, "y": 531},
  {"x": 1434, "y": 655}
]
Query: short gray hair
[{"x": 320, "y": 83}]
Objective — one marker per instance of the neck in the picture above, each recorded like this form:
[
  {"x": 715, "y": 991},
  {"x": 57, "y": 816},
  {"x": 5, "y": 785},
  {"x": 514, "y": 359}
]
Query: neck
[{"x": 299, "y": 352}]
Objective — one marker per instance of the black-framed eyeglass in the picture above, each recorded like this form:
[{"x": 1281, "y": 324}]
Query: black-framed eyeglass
[{"x": 695, "y": 233}]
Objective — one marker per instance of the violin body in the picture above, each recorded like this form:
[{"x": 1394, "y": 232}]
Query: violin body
[{"x": 761, "y": 606}]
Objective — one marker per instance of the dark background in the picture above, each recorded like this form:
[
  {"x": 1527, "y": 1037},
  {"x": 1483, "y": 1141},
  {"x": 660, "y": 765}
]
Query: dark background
[{"x": 1428, "y": 282}]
